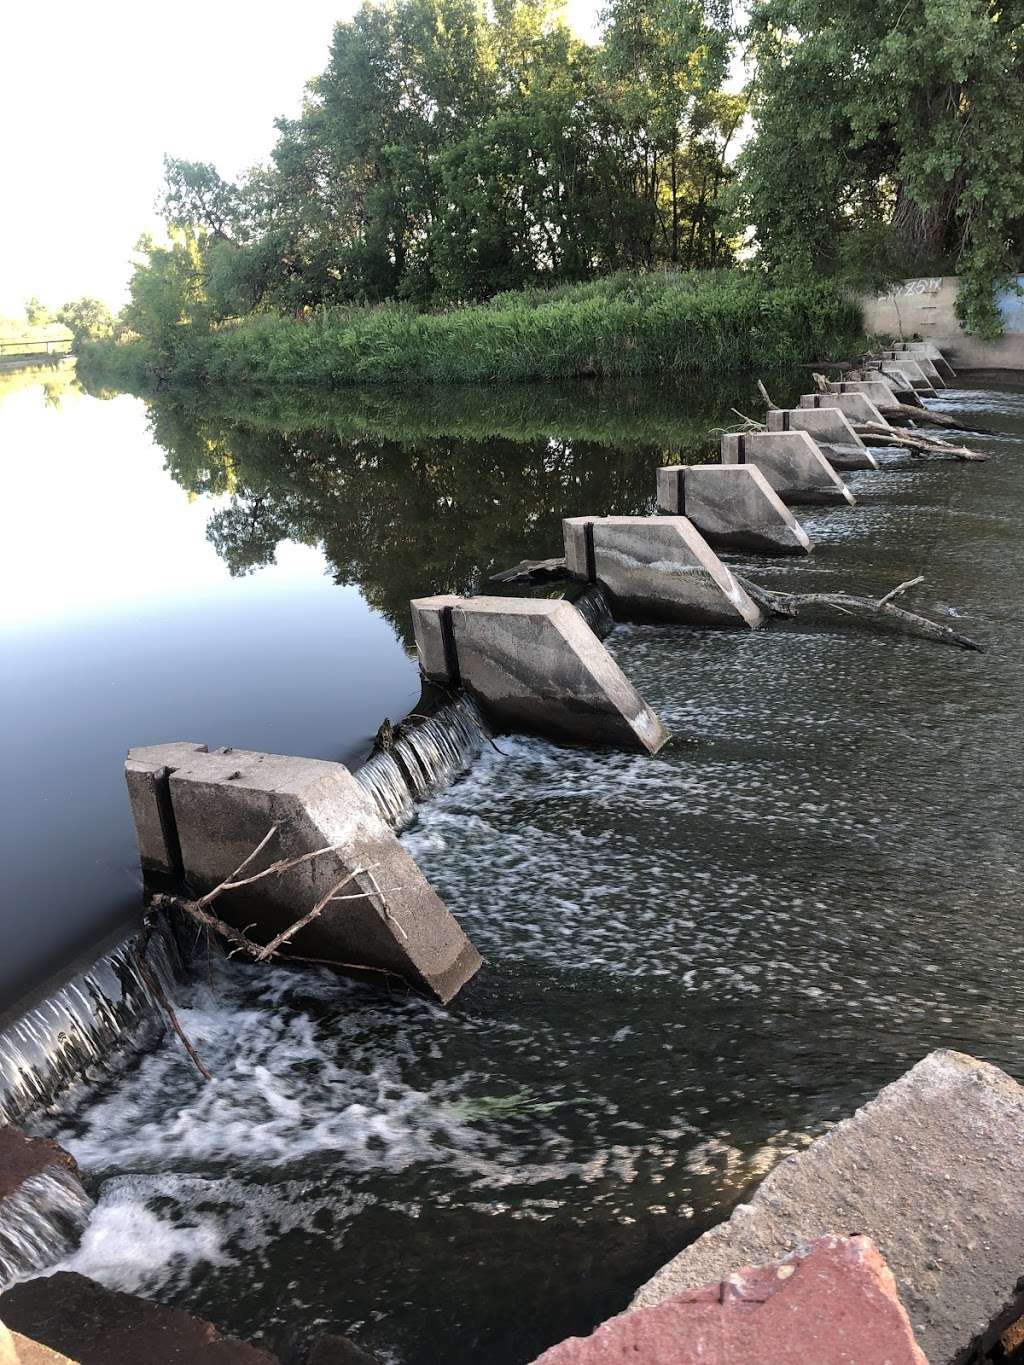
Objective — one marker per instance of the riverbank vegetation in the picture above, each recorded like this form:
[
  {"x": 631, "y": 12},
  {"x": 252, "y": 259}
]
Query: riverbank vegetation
[{"x": 477, "y": 194}]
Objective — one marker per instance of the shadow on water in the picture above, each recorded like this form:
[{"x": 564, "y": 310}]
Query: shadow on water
[{"x": 694, "y": 961}]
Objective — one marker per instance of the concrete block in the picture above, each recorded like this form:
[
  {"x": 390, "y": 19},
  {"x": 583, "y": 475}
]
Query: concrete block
[
  {"x": 929, "y": 349},
  {"x": 792, "y": 464},
  {"x": 878, "y": 392},
  {"x": 924, "y": 363},
  {"x": 733, "y": 506},
  {"x": 534, "y": 664},
  {"x": 98, "y": 1326},
  {"x": 911, "y": 369},
  {"x": 146, "y": 773},
  {"x": 855, "y": 407},
  {"x": 900, "y": 374},
  {"x": 930, "y": 1170},
  {"x": 827, "y": 426},
  {"x": 224, "y": 803},
  {"x": 657, "y": 568},
  {"x": 832, "y": 1303},
  {"x": 18, "y": 1350}
]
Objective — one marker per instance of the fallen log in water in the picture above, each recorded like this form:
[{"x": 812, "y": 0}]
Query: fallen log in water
[
  {"x": 532, "y": 571},
  {"x": 791, "y": 604},
  {"x": 910, "y": 412},
  {"x": 914, "y": 442}
]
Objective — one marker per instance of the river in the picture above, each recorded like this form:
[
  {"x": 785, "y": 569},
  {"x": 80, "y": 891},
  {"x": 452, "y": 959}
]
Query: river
[{"x": 694, "y": 962}]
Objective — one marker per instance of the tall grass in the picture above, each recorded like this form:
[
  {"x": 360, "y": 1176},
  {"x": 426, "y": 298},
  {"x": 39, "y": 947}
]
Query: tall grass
[{"x": 625, "y": 324}]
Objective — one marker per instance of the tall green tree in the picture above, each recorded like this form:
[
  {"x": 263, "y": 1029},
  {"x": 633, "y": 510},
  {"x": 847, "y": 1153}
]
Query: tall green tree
[{"x": 890, "y": 139}]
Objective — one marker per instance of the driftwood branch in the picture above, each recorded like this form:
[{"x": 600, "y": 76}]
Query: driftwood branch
[
  {"x": 533, "y": 571},
  {"x": 848, "y": 604},
  {"x": 766, "y": 396},
  {"x": 914, "y": 441},
  {"x": 160, "y": 995}
]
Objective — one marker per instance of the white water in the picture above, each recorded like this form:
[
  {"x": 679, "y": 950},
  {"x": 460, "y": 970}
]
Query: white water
[{"x": 40, "y": 1222}]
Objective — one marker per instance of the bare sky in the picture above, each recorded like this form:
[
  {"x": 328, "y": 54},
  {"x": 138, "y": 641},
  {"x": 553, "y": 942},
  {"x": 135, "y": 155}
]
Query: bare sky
[{"x": 93, "y": 95}]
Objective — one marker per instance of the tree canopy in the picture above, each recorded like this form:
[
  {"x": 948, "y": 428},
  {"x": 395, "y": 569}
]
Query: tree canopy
[{"x": 450, "y": 152}]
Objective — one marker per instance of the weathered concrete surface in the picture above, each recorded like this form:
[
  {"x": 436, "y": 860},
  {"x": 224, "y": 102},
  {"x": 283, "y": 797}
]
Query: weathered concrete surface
[
  {"x": 931, "y": 1170},
  {"x": 224, "y": 803},
  {"x": 99, "y": 1326},
  {"x": 832, "y": 1303},
  {"x": 927, "y": 308},
  {"x": 878, "y": 392},
  {"x": 149, "y": 793},
  {"x": 929, "y": 349},
  {"x": 924, "y": 363},
  {"x": 897, "y": 373},
  {"x": 658, "y": 568},
  {"x": 912, "y": 369},
  {"x": 733, "y": 506},
  {"x": 855, "y": 407},
  {"x": 18, "y": 1350},
  {"x": 22, "y": 1157},
  {"x": 831, "y": 432},
  {"x": 535, "y": 664},
  {"x": 792, "y": 464}
]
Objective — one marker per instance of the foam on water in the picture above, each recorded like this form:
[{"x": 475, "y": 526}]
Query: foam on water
[{"x": 39, "y": 1222}]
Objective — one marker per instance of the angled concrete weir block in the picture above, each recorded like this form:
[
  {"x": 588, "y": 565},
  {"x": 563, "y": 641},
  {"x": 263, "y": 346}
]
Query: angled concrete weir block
[
  {"x": 855, "y": 407},
  {"x": 792, "y": 464},
  {"x": 929, "y": 349},
  {"x": 146, "y": 772},
  {"x": 878, "y": 392},
  {"x": 224, "y": 803},
  {"x": 831, "y": 432},
  {"x": 535, "y": 664},
  {"x": 911, "y": 369},
  {"x": 931, "y": 1170},
  {"x": 733, "y": 506},
  {"x": 657, "y": 568},
  {"x": 923, "y": 362}
]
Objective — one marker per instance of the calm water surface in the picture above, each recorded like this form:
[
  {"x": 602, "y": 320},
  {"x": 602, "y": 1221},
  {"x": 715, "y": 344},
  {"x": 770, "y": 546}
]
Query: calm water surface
[{"x": 694, "y": 961}]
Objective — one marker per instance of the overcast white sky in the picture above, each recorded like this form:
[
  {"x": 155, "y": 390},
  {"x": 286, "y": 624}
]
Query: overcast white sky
[{"x": 93, "y": 94}]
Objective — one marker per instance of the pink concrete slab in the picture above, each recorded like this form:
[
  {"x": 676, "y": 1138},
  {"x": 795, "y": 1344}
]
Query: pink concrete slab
[{"x": 832, "y": 1303}]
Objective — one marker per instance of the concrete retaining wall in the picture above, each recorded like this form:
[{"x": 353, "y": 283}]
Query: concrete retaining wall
[{"x": 925, "y": 308}]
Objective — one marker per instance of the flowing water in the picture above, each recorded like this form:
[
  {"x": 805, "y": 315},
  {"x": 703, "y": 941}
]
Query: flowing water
[{"x": 694, "y": 961}]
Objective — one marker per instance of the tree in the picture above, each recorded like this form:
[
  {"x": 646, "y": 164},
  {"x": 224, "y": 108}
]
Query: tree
[
  {"x": 36, "y": 313},
  {"x": 890, "y": 136},
  {"x": 88, "y": 320}
]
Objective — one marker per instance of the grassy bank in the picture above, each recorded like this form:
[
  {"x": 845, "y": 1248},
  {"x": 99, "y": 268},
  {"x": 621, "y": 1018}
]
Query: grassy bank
[{"x": 623, "y": 325}]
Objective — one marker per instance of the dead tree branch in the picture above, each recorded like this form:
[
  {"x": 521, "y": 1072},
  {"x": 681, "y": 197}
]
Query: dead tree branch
[
  {"x": 791, "y": 603},
  {"x": 160, "y": 995},
  {"x": 915, "y": 442}
]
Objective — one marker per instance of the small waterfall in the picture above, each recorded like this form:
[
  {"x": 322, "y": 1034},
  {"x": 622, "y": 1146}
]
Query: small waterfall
[
  {"x": 426, "y": 756},
  {"x": 592, "y": 605},
  {"x": 41, "y": 1222},
  {"x": 48, "y": 1047}
]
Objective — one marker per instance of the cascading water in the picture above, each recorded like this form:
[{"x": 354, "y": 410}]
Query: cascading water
[
  {"x": 592, "y": 605},
  {"x": 46, "y": 1048},
  {"x": 41, "y": 1222},
  {"x": 426, "y": 757}
]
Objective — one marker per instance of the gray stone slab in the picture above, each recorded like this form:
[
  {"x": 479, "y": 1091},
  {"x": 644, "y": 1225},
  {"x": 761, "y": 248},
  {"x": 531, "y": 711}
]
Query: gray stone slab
[
  {"x": 931, "y": 350},
  {"x": 534, "y": 664},
  {"x": 932, "y": 1170},
  {"x": 856, "y": 407},
  {"x": 733, "y": 506},
  {"x": 146, "y": 773},
  {"x": 792, "y": 464},
  {"x": 224, "y": 803},
  {"x": 827, "y": 426},
  {"x": 658, "y": 568}
]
